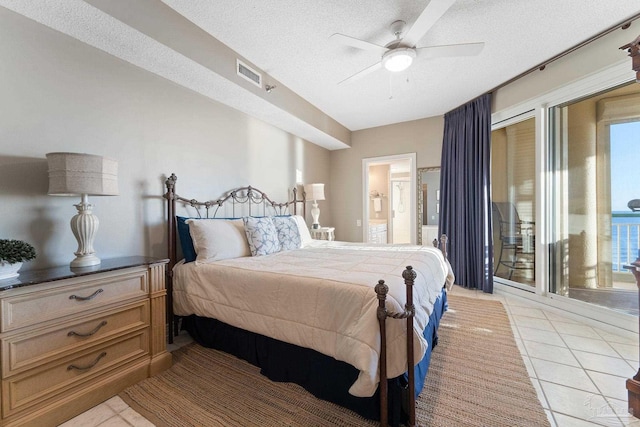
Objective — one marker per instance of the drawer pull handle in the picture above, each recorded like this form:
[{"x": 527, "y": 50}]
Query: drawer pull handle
[
  {"x": 88, "y": 334},
  {"x": 89, "y": 366},
  {"x": 90, "y": 297}
]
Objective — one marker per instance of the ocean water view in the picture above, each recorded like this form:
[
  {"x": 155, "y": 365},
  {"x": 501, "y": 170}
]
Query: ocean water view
[{"x": 625, "y": 238}]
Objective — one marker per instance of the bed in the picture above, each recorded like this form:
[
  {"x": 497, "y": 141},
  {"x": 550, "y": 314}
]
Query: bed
[{"x": 252, "y": 282}]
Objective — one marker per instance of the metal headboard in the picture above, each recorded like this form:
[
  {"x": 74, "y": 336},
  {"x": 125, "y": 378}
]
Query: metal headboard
[{"x": 253, "y": 198}]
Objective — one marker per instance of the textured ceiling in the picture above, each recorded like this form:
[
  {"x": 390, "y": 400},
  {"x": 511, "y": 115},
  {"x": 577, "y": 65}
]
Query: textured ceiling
[
  {"x": 194, "y": 43},
  {"x": 289, "y": 39}
]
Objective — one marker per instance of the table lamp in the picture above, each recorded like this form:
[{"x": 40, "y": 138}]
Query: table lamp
[
  {"x": 77, "y": 174},
  {"x": 314, "y": 192}
]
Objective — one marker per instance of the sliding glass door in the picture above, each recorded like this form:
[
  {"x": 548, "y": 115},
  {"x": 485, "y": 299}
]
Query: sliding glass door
[
  {"x": 594, "y": 212},
  {"x": 513, "y": 182}
]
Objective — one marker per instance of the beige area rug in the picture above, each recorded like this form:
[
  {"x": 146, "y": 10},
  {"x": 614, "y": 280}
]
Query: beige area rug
[{"x": 476, "y": 378}]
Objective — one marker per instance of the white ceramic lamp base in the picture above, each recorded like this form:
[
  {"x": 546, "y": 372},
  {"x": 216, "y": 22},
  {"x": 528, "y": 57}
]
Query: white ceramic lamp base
[
  {"x": 85, "y": 226},
  {"x": 315, "y": 214}
]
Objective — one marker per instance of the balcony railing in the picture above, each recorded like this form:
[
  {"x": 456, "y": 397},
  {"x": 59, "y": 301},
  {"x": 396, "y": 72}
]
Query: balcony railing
[{"x": 625, "y": 241}]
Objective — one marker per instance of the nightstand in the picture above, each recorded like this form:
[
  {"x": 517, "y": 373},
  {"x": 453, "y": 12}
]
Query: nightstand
[
  {"x": 71, "y": 338},
  {"x": 323, "y": 233}
]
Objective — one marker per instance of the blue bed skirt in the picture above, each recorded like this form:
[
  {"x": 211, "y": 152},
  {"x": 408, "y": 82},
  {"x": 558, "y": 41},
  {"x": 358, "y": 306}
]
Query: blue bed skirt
[
  {"x": 321, "y": 375},
  {"x": 431, "y": 335}
]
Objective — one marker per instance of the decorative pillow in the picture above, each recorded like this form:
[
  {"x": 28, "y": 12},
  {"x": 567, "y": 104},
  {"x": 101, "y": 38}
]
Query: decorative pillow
[
  {"x": 288, "y": 233},
  {"x": 186, "y": 243},
  {"x": 261, "y": 235},
  {"x": 218, "y": 239},
  {"x": 305, "y": 235}
]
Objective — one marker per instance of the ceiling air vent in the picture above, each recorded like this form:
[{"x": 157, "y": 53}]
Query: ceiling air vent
[{"x": 248, "y": 73}]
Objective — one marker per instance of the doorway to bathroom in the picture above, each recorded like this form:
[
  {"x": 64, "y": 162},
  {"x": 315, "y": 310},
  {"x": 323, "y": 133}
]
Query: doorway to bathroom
[{"x": 389, "y": 202}]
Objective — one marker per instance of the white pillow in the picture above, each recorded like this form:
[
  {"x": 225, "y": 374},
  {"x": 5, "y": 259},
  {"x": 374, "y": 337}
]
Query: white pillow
[
  {"x": 261, "y": 235},
  {"x": 218, "y": 239},
  {"x": 305, "y": 235},
  {"x": 288, "y": 233}
]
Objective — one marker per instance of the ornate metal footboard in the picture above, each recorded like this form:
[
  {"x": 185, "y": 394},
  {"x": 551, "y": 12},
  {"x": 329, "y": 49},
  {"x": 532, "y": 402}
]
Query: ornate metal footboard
[{"x": 382, "y": 289}]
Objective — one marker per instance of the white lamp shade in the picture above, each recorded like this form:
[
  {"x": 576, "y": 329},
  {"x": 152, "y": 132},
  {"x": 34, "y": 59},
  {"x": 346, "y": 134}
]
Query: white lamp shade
[
  {"x": 314, "y": 191},
  {"x": 76, "y": 174}
]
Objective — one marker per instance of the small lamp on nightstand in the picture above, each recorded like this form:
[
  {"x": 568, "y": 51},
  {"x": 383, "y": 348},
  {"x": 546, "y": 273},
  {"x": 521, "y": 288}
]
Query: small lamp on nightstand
[
  {"x": 314, "y": 192},
  {"x": 75, "y": 174}
]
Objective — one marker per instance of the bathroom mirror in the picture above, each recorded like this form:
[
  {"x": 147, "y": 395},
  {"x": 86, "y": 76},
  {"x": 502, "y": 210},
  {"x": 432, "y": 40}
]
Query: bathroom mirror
[{"x": 428, "y": 204}]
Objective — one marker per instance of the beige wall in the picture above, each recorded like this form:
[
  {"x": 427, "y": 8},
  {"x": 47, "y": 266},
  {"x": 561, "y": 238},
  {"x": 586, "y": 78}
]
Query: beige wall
[
  {"x": 61, "y": 95},
  {"x": 423, "y": 137}
]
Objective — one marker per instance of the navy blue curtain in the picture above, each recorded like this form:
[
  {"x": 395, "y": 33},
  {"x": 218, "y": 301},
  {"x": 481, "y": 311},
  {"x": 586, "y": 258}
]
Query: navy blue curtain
[{"x": 465, "y": 199}]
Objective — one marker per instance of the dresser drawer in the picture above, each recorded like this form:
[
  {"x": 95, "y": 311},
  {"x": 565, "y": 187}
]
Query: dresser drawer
[
  {"x": 28, "y": 350},
  {"x": 72, "y": 297},
  {"x": 35, "y": 386}
]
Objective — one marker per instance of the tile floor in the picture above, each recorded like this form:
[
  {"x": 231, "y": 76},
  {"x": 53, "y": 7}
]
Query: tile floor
[{"x": 578, "y": 368}]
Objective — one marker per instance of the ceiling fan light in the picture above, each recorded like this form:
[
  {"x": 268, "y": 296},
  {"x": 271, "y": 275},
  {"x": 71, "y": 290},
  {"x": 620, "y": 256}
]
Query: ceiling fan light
[{"x": 398, "y": 59}]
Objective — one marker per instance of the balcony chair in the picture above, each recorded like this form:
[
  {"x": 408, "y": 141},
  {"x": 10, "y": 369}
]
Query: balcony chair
[{"x": 516, "y": 237}]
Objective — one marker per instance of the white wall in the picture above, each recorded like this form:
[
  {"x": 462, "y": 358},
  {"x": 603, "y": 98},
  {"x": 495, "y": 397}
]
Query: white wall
[{"x": 58, "y": 94}]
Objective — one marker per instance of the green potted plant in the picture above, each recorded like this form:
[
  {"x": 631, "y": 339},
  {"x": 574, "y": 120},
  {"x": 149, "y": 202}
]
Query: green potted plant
[{"x": 12, "y": 254}]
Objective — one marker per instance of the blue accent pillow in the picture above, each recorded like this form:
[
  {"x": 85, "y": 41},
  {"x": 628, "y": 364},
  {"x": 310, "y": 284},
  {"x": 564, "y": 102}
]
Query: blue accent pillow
[
  {"x": 288, "y": 233},
  {"x": 262, "y": 235},
  {"x": 186, "y": 243}
]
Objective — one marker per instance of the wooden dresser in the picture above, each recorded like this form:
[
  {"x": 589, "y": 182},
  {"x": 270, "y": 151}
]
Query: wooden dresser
[{"x": 72, "y": 338}]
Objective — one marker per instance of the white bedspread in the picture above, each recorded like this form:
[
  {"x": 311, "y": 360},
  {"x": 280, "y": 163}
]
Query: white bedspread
[{"x": 320, "y": 297}]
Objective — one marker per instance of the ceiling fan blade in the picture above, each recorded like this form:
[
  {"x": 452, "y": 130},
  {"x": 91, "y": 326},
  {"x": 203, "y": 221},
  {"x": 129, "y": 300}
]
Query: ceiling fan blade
[
  {"x": 463, "y": 49},
  {"x": 357, "y": 43},
  {"x": 434, "y": 11},
  {"x": 362, "y": 73}
]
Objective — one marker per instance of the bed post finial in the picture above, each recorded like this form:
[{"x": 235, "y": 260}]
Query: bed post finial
[
  {"x": 409, "y": 274},
  {"x": 170, "y": 183},
  {"x": 443, "y": 245},
  {"x": 381, "y": 290}
]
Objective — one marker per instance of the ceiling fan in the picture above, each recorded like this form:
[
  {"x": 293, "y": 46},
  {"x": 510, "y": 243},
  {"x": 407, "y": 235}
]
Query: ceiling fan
[{"x": 400, "y": 53}]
